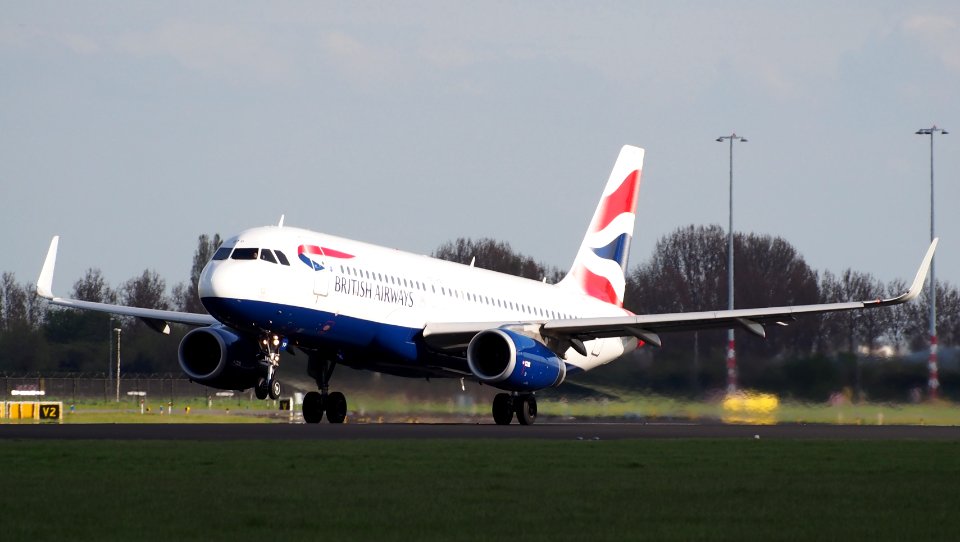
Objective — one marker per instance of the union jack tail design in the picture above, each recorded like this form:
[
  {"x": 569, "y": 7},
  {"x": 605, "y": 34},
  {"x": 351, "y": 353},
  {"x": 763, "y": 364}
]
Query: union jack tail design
[{"x": 601, "y": 264}]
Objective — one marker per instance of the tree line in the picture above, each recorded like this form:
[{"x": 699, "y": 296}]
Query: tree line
[
  {"x": 37, "y": 338},
  {"x": 686, "y": 272}
]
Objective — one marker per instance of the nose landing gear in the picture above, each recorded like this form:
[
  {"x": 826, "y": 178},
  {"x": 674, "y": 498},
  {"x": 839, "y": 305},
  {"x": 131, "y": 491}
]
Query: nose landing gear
[{"x": 269, "y": 386}]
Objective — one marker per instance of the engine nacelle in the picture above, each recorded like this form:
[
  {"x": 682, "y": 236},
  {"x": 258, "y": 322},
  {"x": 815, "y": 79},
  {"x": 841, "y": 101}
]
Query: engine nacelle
[
  {"x": 514, "y": 362},
  {"x": 217, "y": 357}
]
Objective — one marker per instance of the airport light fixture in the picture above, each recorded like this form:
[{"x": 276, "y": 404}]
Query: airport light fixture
[
  {"x": 933, "y": 381},
  {"x": 731, "y": 346}
]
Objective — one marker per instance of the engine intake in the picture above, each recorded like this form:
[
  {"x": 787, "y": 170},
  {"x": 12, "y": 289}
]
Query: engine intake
[
  {"x": 514, "y": 362},
  {"x": 217, "y": 357}
]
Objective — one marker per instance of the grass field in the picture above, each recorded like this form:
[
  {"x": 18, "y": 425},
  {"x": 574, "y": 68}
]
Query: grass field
[{"x": 479, "y": 490}]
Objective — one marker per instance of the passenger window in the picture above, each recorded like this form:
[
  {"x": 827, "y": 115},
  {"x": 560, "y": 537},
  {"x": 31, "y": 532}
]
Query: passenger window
[
  {"x": 222, "y": 253},
  {"x": 266, "y": 255},
  {"x": 245, "y": 253},
  {"x": 282, "y": 257}
]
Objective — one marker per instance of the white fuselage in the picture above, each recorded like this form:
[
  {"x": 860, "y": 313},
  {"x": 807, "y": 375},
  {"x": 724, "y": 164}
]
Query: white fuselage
[{"x": 339, "y": 293}]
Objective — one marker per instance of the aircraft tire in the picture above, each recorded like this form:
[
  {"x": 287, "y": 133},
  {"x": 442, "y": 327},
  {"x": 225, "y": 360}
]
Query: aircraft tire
[
  {"x": 262, "y": 389},
  {"x": 274, "y": 389},
  {"x": 526, "y": 409},
  {"x": 312, "y": 407},
  {"x": 336, "y": 407},
  {"x": 502, "y": 409}
]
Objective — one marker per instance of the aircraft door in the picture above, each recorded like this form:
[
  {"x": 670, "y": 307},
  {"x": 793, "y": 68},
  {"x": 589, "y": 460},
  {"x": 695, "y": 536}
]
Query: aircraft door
[
  {"x": 321, "y": 279},
  {"x": 313, "y": 256},
  {"x": 321, "y": 282}
]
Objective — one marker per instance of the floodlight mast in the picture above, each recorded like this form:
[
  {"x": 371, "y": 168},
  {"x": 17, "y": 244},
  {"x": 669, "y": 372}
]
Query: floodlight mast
[
  {"x": 933, "y": 381},
  {"x": 731, "y": 346},
  {"x": 117, "y": 331}
]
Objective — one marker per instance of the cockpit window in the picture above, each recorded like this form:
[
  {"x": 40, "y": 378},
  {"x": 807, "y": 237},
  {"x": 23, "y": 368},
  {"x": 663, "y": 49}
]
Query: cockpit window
[
  {"x": 282, "y": 257},
  {"x": 245, "y": 253},
  {"x": 266, "y": 255},
  {"x": 222, "y": 253}
]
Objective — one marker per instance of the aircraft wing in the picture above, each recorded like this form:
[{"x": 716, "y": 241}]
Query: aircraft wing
[
  {"x": 454, "y": 336},
  {"x": 155, "y": 318}
]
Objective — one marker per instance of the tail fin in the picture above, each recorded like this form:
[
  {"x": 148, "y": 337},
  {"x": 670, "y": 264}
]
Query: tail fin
[{"x": 601, "y": 264}]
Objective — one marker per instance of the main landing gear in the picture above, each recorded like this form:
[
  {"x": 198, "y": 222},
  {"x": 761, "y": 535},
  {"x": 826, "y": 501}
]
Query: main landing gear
[
  {"x": 269, "y": 386},
  {"x": 316, "y": 403},
  {"x": 524, "y": 405}
]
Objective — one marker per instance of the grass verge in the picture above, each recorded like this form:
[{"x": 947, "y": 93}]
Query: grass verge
[{"x": 397, "y": 407}]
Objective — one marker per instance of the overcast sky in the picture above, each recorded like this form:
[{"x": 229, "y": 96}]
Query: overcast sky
[{"x": 130, "y": 128}]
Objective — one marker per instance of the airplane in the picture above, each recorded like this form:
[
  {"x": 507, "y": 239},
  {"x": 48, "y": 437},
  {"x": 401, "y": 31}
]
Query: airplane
[{"x": 277, "y": 289}]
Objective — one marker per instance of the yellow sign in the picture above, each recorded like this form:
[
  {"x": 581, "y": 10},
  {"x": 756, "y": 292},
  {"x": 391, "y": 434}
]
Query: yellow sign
[
  {"x": 51, "y": 411},
  {"x": 751, "y": 408}
]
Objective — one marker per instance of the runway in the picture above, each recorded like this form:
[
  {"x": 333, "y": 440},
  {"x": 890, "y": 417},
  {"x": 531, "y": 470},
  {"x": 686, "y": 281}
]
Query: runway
[{"x": 556, "y": 431}]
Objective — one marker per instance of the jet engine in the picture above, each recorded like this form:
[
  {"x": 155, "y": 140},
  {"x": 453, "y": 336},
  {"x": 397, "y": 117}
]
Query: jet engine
[
  {"x": 514, "y": 362},
  {"x": 217, "y": 357}
]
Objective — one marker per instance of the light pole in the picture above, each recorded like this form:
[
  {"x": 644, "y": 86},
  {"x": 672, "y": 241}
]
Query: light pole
[
  {"x": 731, "y": 348},
  {"x": 109, "y": 355},
  {"x": 933, "y": 383},
  {"x": 118, "y": 330}
]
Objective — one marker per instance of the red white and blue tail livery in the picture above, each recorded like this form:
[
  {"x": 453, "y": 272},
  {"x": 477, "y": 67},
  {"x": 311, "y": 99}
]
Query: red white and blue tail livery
[
  {"x": 601, "y": 263},
  {"x": 275, "y": 289}
]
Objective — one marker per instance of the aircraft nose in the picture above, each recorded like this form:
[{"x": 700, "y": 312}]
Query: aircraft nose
[{"x": 214, "y": 280}]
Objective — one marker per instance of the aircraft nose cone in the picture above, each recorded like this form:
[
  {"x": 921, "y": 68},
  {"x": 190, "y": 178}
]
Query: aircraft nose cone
[{"x": 214, "y": 280}]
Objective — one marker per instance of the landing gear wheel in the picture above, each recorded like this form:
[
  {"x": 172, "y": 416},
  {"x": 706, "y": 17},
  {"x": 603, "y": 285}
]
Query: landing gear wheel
[
  {"x": 526, "y": 409},
  {"x": 312, "y": 407},
  {"x": 274, "y": 389},
  {"x": 262, "y": 390},
  {"x": 336, "y": 406},
  {"x": 503, "y": 409}
]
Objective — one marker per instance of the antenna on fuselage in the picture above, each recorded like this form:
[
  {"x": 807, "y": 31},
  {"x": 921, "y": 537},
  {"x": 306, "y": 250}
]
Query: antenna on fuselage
[{"x": 280, "y": 225}]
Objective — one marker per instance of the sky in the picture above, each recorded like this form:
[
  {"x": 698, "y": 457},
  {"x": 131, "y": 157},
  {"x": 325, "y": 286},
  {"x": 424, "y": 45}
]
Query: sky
[{"x": 130, "y": 128}]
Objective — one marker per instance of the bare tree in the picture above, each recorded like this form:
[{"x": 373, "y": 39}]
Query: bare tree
[
  {"x": 15, "y": 314},
  {"x": 686, "y": 273},
  {"x": 496, "y": 256},
  {"x": 899, "y": 317},
  {"x": 848, "y": 329},
  {"x": 948, "y": 314},
  {"x": 93, "y": 287},
  {"x": 770, "y": 272},
  {"x": 916, "y": 328},
  {"x": 186, "y": 295},
  {"x": 147, "y": 291}
]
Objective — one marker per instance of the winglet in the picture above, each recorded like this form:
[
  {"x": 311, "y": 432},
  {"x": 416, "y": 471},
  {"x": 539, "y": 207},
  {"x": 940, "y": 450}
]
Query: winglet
[
  {"x": 45, "y": 280},
  {"x": 918, "y": 280}
]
